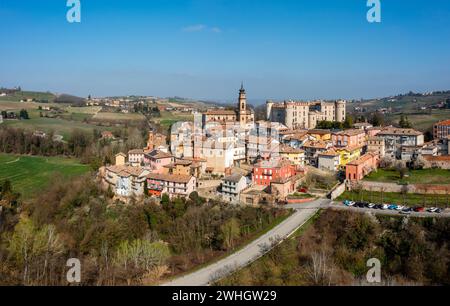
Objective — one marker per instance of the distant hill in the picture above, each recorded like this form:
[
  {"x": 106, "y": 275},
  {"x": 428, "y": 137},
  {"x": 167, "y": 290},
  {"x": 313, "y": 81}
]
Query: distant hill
[
  {"x": 45, "y": 97},
  {"x": 69, "y": 99},
  {"x": 403, "y": 102}
]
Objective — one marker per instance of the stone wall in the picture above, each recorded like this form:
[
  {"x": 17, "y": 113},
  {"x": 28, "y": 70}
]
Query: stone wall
[
  {"x": 336, "y": 192},
  {"x": 394, "y": 187}
]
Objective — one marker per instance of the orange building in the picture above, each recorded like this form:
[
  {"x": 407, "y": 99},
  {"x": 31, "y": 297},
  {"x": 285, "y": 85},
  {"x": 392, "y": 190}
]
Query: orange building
[
  {"x": 358, "y": 169},
  {"x": 441, "y": 130}
]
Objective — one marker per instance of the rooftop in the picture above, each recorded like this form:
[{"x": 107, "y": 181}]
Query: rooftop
[
  {"x": 445, "y": 122},
  {"x": 235, "y": 178},
  {"x": 351, "y": 132},
  {"x": 331, "y": 153},
  {"x": 399, "y": 131},
  {"x": 158, "y": 154},
  {"x": 136, "y": 151},
  {"x": 290, "y": 150},
  {"x": 126, "y": 171},
  {"x": 220, "y": 112},
  {"x": 363, "y": 159},
  {"x": 170, "y": 177}
]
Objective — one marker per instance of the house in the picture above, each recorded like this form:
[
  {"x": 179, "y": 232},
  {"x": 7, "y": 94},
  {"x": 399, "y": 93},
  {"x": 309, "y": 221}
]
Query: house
[
  {"x": 348, "y": 154},
  {"x": 397, "y": 140},
  {"x": 173, "y": 185},
  {"x": 261, "y": 146},
  {"x": 121, "y": 159},
  {"x": 107, "y": 135},
  {"x": 429, "y": 148},
  {"x": 442, "y": 162},
  {"x": 319, "y": 135},
  {"x": 358, "y": 169},
  {"x": 295, "y": 140},
  {"x": 373, "y": 131},
  {"x": 155, "y": 140},
  {"x": 266, "y": 171},
  {"x": 136, "y": 157},
  {"x": 219, "y": 156},
  {"x": 232, "y": 186},
  {"x": 441, "y": 130},
  {"x": 124, "y": 180},
  {"x": 256, "y": 195},
  {"x": 349, "y": 138},
  {"x": 186, "y": 166},
  {"x": 329, "y": 160},
  {"x": 313, "y": 149},
  {"x": 376, "y": 144},
  {"x": 296, "y": 156},
  {"x": 362, "y": 126},
  {"x": 156, "y": 160}
]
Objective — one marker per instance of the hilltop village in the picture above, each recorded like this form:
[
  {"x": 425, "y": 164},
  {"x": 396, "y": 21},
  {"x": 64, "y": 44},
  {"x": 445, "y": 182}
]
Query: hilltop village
[{"x": 226, "y": 155}]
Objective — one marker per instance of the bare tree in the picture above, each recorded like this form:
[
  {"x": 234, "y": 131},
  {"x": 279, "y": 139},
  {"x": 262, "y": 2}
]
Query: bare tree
[{"x": 320, "y": 269}]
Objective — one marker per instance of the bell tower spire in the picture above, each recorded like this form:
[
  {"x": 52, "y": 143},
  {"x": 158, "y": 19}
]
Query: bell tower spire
[{"x": 242, "y": 106}]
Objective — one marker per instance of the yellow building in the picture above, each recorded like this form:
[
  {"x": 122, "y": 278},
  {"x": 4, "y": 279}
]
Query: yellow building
[
  {"x": 296, "y": 156},
  {"x": 348, "y": 154}
]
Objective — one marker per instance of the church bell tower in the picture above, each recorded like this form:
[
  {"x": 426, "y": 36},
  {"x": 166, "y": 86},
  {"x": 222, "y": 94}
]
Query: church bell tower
[{"x": 242, "y": 106}]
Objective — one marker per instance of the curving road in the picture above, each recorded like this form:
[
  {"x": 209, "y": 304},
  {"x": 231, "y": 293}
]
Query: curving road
[{"x": 252, "y": 251}]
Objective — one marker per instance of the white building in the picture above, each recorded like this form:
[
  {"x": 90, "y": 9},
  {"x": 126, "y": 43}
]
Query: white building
[
  {"x": 136, "y": 157},
  {"x": 232, "y": 186}
]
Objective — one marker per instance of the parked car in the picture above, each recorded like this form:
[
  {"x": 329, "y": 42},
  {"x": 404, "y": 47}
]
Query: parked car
[
  {"x": 379, "y": 206},
  {"x": 385, "y": 206},
  {"x": 392, "y": 207},
  {"x": 400, "y": 207},
  {"x": 371, "y": 205},
  {"x": 351, "y": 203},
  {"x": 419, "y": 209}
]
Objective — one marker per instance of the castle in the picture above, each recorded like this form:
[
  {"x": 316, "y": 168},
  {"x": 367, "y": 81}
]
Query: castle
[
  {"x": 242, "y": 115},
  {"x": 305, "y": 115}
]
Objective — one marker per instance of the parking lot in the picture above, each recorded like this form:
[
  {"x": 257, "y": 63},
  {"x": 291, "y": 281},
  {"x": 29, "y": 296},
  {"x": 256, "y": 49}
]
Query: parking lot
[{"x": 392, "y": 209}]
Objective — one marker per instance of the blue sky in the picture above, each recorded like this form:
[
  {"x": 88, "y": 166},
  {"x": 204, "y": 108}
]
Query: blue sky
[{"x": 281, "y": 49}]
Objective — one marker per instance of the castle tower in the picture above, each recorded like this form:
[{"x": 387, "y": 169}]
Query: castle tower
[
  {"x": 269, "y": 105},
  {"x": 242, "y": 107},
  {"x": 340, "y": 110}
]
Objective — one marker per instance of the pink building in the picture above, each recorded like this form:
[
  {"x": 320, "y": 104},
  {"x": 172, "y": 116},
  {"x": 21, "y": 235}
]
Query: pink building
[
  {"x": 372, "y": 132},
  {"x": 156, "y": 160},
  {"x": 349, "y": 138},
  {"x": 358, "y": 169}
]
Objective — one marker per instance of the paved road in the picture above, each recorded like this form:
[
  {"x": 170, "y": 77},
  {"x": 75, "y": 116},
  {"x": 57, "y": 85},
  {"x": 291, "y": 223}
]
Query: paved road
[{"x": 252, "y": 251}]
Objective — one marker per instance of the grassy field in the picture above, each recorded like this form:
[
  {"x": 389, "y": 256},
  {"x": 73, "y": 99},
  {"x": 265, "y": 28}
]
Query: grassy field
[
  {"x": 425, "y": 176},
  {"x": 72, "y": 118},
  {"x": 422, "y": 121},
  {"x": 396, "y": 198},
  {"x": 59, "y": 126},
  {"x": 118, "y": 117},
  {"x": 168, "y": 118},
  {"x": 30, "y": 174}
]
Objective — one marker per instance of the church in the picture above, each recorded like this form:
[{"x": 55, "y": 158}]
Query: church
[{"x": 242, "y": 116}]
